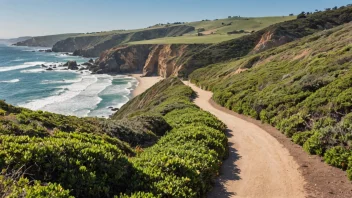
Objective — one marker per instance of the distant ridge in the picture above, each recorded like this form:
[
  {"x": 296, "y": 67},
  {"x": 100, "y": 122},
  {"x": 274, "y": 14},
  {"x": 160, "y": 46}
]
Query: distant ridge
[
  {"x": 44, "y": 41},
  {"x": 14, "y": 40}
]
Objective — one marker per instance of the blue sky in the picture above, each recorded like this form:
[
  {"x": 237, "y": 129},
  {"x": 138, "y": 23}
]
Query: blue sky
[{"x": 43, "y": 17}]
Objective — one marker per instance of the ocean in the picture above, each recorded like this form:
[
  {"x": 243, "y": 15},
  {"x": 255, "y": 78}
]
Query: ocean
[{"x": 25, "y": 83}]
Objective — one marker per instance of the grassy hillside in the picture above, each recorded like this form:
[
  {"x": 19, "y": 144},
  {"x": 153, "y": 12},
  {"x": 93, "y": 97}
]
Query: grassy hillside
[
  {"x": 50, "y": 155},
  {"x": 267, "y": 38},
  {"x": 221, "y": 26},
  {"x": 215, "y": 31},
  {"x": 302, "y": 88},
  {"x": 44, "y": 41},
  {"x": 189, "y": 39}
]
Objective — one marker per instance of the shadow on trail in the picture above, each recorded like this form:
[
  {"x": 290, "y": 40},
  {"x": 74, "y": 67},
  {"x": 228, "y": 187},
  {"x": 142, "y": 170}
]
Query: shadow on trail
[{"x": 228, "y": 172}]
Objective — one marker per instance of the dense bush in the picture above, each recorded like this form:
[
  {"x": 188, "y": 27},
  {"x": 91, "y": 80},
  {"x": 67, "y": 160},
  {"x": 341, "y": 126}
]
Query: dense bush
[
  {"x": 141, "y": 131},
  {"x": 22, "y": 188},
  {"x": 184, "y": 161},
  {"x": 193, "y": 117},
  {"x": 186, "y": 147},
  {"x": 302, "y": 88},
  {"x": 88, "y": 165}
]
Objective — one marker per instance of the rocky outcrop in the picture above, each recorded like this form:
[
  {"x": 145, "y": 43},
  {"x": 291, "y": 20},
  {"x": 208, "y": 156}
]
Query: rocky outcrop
[
  {"x": 72, "y": 65},
  {"x": 163, "y": 60},
  {"x": 126, "y": 59},
  {"x": 94, "y": 45}
]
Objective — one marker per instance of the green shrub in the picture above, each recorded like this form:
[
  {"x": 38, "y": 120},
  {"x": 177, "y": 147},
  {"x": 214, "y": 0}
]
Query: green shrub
[
  {"x": 349, "y": 169},
  {"x": 139, "y": 195},
  {"x": 2, "y": 112},
  {"x": 324, "y": 122},
  {"x": 22, "y": 188},
  {"x": 302, "y": 137},
  {"x": 90, "y": 168},
  {"x": 291, "y": 125},
  {"x": 195, "y": 117},
  {"x": 338, "y": 157},
  {"x": 313, "y": 144}
]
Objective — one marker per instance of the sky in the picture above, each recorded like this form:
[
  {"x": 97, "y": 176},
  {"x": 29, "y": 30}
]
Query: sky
[{"x": 46, "y": 17}]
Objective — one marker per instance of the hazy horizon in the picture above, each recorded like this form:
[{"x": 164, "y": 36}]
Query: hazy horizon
[{"x": 47, "y": 17}]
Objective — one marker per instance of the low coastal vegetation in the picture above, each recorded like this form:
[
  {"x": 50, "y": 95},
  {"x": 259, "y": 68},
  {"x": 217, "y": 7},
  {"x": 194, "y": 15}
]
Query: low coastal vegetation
[
  {"x": 267, "y": 38},
  {"x": 159, "y": 145},
  {"x": 302, "y": 88},
  {"x": 219, "y": 30}
]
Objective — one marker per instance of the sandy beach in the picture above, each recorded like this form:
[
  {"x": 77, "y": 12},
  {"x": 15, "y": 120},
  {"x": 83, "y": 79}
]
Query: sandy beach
[{"x": 144, "y": 83}]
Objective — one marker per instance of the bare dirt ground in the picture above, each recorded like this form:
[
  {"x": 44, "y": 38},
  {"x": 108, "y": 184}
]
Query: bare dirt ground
[{"x": 264, "y": 163}]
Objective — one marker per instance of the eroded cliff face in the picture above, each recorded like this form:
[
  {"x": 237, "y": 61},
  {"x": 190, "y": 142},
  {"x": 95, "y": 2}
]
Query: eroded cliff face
[
  {"x": 163, "y": 60},
  {"x": 270, "y": 40},
  {"x": 166, "y": 60},
  {"x": 127, "y": 59}
]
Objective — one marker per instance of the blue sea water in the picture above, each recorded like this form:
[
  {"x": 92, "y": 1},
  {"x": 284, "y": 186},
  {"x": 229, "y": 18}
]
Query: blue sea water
[{"x": 24, "y": 82}]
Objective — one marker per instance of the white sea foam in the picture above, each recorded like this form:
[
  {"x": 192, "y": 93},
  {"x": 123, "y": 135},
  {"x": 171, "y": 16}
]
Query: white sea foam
[
  {"x": 117, "y": 90},
  {"x": 61, "y": 81},
  {"x": 69, "y": 92},
  {"x": 23, "y": 66},
  {"x": 79, "y": 98},
  {"x": 18, "y": 60},
  {"x": 62, "y": 55},
  {"x": 10, "y": 81},
  {"x": 38, "y": 70},
  {"x": 85, "y": 102}
]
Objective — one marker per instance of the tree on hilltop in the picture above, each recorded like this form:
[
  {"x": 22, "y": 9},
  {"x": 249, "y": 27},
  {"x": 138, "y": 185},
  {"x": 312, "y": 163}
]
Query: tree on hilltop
[{"x": 302, "y": 15}]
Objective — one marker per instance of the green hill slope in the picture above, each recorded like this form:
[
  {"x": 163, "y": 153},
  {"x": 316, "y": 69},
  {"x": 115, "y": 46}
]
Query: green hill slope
[
  {"x": 302, "y": 88},
  {"x": 184, "y": 61},
  {"x": 216, "y": 31},
  {"x": 50, "y": 155},
  {"x": 44, "y": 41},
  {"x": 223, "y": 26},
  {"x": 267, "y": 38}
]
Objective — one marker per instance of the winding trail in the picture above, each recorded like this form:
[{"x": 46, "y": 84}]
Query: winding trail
[{"x": 258, "y": 165}]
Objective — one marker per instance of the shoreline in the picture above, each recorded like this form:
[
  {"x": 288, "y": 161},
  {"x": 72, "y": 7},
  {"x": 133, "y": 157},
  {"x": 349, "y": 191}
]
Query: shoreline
[{"x": 144, "y": 83}]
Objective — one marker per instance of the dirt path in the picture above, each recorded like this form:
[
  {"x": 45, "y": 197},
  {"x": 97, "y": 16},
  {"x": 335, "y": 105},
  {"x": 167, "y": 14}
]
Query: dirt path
[{"x": 258, "y": 165}]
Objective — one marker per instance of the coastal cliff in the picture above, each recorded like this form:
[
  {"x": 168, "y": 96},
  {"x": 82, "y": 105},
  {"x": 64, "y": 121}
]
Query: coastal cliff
[
  {"x": 163, "y": 60},
  {"x": 44, "y": 41},
  {"x": 93, "y": 45}
]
